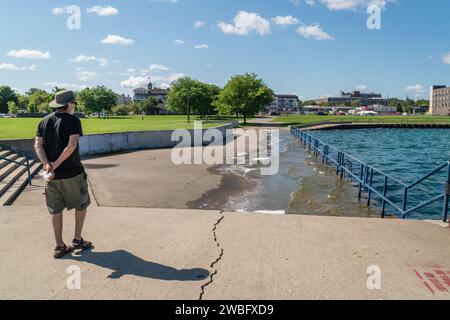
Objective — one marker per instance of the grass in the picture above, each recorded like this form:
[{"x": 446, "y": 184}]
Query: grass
[
  {"x": 25, "y": 128},
  {"x": 311, "y": 118}
]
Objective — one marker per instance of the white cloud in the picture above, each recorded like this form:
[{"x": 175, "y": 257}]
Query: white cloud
[
  {"x": 83, "y": 58},
  {"x": 245, "y": 23},
  {"x": 135, "y": 82},
  {"x": 446, "y": 58},
  {"x": 285, "y": 21},
  {"x": 13, "y": 67},
  {"x": 117, "y": 40},
  {"x": 84, "y": 75},
  {"x": 65, "y": 85},
  {"x": 361, "y": 87},
  {"x": 103, "y": 62},
  {"x": 201, "y": 46},
  {"x": 178, "y": 42},
  {"x": 157, "y": 67},
  {"x": 314, "y": 31},
  {"x": 103, "y": 11},
  {"x": 338, "y": 5},
  {"x": 199, "y": 24},
  {"x": 29, "y": 54},
  {"x": 418, "y": 88},
  {"x": 174, "y": 77}
]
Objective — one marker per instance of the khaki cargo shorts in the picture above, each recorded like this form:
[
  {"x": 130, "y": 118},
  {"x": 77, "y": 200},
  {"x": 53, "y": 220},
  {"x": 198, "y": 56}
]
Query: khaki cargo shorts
[{"x": 67, "y": 194}]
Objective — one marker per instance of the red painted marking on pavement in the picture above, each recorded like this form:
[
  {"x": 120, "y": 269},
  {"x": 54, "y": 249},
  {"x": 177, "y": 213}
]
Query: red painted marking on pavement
[
  {"x": 428, "y": 286},
  {"x": 418, "y": 274}
]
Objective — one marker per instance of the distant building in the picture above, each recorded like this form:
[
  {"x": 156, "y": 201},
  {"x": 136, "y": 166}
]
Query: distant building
[
  {"x": 384, "y": 109},
  {"x": 141, "y": 94},
  {"x": 440, "y": 100},
  {"x": 346, "y": 98},
  {"x": 284, "y": 102},
  {"x": 123, "y": 99}
]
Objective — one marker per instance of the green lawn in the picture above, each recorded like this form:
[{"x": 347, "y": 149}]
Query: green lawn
[
  {"x": 25, "y": 128},
  {"x": 311, "y": 118}
]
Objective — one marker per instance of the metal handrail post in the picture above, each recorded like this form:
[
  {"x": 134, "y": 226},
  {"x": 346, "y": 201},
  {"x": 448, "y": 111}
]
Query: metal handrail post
[
  {"x": 383, "y": 206},
  {"x": 405, "y": 200},
  {"x": 446, "y": 196},
  {"x": 28, "y": 170},
  {"x": 370, "y": 185},
  {"x": 361, "y": 176}
]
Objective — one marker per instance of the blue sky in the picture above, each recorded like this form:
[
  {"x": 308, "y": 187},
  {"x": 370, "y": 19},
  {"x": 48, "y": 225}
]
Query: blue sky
[{"x": 314, "y": 48}]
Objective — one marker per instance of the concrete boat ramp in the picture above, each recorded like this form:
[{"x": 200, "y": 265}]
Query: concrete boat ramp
[{"x": 192, "y": 254}]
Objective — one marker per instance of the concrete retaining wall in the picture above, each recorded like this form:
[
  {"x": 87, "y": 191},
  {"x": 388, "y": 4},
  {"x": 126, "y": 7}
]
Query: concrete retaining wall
[{"x": 116, "y": 142}]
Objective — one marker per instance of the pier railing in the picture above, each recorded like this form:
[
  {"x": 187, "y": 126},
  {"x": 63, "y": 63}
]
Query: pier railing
[
  {"x": 27, "y": 162},
  {"x": 375, "y": 182},
  {"x": 401, "y": 122}
]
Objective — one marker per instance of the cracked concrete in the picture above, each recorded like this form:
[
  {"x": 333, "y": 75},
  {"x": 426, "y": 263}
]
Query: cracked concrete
[
  {"x": 193, "y": 254},
  {"x": 215, "y": 271},
  {"x": 310, "y": 257}
]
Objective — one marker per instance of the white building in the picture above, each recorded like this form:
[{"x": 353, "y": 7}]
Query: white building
[
  {"x": 384, "y": 109},
  {"x": 440, "y": 100},
  {"x": 284, "y": 102}
]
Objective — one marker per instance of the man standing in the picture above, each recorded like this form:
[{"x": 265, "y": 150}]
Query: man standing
[{"x": 57, "y": 148}]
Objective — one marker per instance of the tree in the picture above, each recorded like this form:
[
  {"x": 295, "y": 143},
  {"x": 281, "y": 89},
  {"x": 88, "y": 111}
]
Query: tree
[
  {"x": 24, "y": 101},
  {"x": 356, "y": 104},
  {"x": 44, "y": 108},
  {"x": 121, "y": 110},
  {"x": 244, "y": 94},
  {"x": 187, "y": 93},
  {"x": 148, "y": 106},
  {"x": 6, "y": 95},
  {"x": 37, "y": 99},
  {"x": 12, "y": 108},
  {"x": 97, "y": 99}
]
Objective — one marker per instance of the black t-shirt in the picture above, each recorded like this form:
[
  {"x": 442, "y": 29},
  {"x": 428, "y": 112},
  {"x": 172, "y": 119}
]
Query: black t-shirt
[{"x": 56, "y": 130}]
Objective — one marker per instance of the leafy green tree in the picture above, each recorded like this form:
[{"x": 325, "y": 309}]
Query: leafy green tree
[
  {"x": 12, "y": 108},
  {"x": 356, "y": 104},
  {"x": 23, "y": 102},
  {"x": 244, "y": 94},
  {"x": 44, "y": 108},
  {"x": 97, "y": 99},
  {"x": 148, "y": 106},
  {"x": 121, "y": 110},
  {"x": 190, "y": 95},
  {"x": 37, "y": 99},
  {"x": 6, "y": 95}
]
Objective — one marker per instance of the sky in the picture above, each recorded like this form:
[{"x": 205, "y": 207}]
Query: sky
[{"x": 312, "y": 48}]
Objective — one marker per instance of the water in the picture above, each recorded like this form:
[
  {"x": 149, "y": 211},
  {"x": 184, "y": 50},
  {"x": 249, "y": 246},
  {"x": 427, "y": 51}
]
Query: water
[
  {"x": 304, "y": 186},
  {"x": 406, "y": 154}
]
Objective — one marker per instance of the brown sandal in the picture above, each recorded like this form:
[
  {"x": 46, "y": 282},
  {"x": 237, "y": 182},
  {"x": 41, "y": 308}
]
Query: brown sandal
[
  {"x": 62, "y": 251},
  {"x": 81, "y": 244}
]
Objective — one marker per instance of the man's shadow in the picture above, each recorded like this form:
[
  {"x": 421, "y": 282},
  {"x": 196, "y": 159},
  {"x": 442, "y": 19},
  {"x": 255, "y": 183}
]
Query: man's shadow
[{"x": 124, "y": 263}]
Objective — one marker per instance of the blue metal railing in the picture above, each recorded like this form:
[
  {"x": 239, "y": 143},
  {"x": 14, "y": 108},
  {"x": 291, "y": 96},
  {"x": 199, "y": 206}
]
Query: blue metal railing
[
  {"x": 367, "y": 174},
  {"x": 28, "y": 159}
]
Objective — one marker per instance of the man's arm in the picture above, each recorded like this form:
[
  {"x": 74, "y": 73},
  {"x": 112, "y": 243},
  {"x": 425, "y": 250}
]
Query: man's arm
[
  {"x": 40, "y": 151},
  {"x": 67, "y": 152}
]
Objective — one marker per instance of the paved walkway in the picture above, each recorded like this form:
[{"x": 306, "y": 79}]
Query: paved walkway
[{"x": 175, "y": 254}]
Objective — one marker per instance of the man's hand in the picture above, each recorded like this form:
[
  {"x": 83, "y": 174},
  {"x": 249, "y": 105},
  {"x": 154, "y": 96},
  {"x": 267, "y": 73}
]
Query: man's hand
[{"x": 49, "y": 167}]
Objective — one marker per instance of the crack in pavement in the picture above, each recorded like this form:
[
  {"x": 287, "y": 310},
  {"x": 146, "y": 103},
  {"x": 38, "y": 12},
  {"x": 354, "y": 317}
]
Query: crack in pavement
[{"x": 211, "y": 278}]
